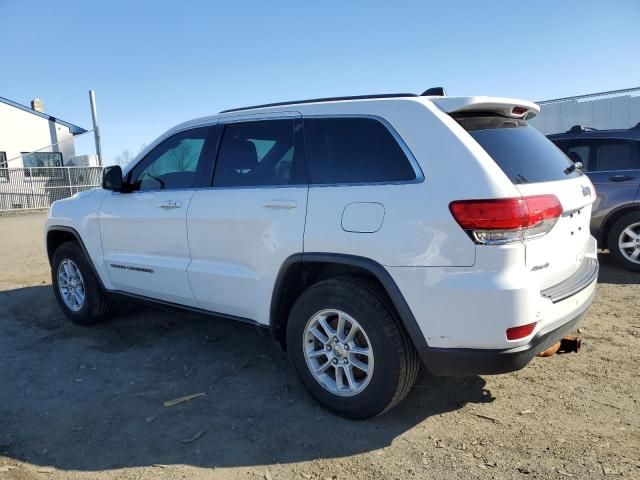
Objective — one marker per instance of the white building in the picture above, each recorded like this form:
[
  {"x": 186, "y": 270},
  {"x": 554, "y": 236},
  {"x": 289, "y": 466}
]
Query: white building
[
  {"x": 604, "y": 111},
  {"x": 32, "y": 138}
]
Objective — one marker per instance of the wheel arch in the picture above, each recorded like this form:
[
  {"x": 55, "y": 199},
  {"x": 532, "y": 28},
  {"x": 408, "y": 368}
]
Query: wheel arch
[
  {"x": 58, "y": 235},
  {"x": 302, "y": 270},
  {"x": 612, "y": 218}
]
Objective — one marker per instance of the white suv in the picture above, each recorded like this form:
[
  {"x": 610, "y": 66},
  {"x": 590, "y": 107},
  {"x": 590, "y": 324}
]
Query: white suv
[{"x": 365, "y": 233}]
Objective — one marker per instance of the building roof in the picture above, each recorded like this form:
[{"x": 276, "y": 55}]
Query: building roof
[
  {"x": 73, "y": 129},
  {"x": 596, "y": 96}
]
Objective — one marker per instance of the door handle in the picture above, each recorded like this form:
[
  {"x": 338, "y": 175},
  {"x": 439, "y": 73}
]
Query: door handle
[
  {"x": 168, "y": 204},
  {"x": 621, "y": 178},
  {"x": 280, "y": 204}
]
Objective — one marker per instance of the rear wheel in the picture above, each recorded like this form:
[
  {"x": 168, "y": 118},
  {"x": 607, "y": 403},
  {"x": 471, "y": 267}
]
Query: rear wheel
[
  {"x": 348, "y": 349},
  {"x": 76, "y": 287},
  {"x": 624, "y": 241}
]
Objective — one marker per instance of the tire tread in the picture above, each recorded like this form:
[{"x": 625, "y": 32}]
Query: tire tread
[
  {"x": 102, "y": 303},
  {"x": 612, "y": 241},
  {"x": 408, "y": 359}
]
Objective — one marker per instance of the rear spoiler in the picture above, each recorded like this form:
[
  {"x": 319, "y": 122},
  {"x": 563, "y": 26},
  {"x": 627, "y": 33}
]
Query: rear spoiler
[{"x": 508, "y": 107}]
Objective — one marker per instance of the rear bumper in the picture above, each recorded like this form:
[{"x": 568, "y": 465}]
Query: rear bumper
[
  {"x": 460, "y": 362},
  {"x": 585, "y": 276}
]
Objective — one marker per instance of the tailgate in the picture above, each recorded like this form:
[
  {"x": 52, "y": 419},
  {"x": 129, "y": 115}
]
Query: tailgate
[
  {"x": 536, "y": 166},
  {"x": 557, "y": 255}
]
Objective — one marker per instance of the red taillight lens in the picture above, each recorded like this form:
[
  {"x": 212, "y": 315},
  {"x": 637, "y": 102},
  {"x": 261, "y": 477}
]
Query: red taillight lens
[
  {"x": 516, "y": 333},
  {"x": 501, "y": 214},
  {"x": 543, "y": 207},
  {"x": 505, "y": 213},
  {"x": 518, "y": 110},
  {"x": 507, "y": 219}
]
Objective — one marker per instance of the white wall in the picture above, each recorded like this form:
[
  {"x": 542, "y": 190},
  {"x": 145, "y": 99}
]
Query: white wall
[
  {"x": 22, "y": 131},
  {"x": 602, "y": 112}
]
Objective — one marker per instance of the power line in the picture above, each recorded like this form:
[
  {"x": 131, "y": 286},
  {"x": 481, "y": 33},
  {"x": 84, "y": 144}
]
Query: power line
[{"x": 70, "y": 139}]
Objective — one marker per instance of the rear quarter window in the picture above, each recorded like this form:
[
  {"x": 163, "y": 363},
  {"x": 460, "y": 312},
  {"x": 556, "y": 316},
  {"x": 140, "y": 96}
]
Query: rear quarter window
[
  {"x": 523, "y": 153},
  {"x": 354, "y": 150}
]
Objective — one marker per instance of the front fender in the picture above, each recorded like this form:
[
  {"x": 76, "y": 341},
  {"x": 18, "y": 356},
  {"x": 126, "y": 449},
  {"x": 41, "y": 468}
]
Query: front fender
[{"x": 79, "y": 215}]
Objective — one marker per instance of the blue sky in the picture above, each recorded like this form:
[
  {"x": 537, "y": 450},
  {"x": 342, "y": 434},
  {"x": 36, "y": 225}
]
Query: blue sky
[{"x": 154, "y": 64}]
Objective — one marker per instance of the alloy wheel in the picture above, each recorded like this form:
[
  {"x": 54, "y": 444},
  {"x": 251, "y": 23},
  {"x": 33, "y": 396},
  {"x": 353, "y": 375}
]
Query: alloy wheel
[
  {"x": 629, "y": 243},
  {"x": 71, "y": 285},
  {"x": 338, "y": 352}
]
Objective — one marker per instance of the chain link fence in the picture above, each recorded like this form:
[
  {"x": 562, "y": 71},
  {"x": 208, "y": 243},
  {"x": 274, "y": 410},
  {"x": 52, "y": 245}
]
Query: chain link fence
[{"x": 28, "y": 188}]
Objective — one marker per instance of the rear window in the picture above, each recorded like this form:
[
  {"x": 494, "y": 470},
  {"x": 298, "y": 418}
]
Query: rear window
[{"x": 524, "y": 154}]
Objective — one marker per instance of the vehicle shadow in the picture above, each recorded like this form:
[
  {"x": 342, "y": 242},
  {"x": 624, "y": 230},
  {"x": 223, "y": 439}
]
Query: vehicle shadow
[
  {"x": 611, "y": 272},
  {"x": 92, "y": 398}
]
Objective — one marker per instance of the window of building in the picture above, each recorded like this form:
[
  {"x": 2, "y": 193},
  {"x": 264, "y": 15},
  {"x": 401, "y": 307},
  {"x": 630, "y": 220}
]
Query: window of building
[
  {"x": 40, "y": 164},
  {"x": 354, "y": 150},
  {"x": 4, "y": 173},
  {"x": 258, "y": 153},
  {"x": 41, "y": 159}
]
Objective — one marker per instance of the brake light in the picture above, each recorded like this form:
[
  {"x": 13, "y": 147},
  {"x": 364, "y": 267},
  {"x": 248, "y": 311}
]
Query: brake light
[
  {"x": 518, "y": 110},
  {"x": 507, "y": 220},
  {"x": 516, "y": 333}
]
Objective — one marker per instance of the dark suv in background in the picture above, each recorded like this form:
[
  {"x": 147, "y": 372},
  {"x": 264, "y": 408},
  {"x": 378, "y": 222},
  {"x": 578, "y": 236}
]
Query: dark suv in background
[{"x": 611, "y": 159}]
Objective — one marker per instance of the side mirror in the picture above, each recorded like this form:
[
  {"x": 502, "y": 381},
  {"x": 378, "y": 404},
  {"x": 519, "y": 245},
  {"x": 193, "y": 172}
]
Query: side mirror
[{"x": 112, "y": 178}]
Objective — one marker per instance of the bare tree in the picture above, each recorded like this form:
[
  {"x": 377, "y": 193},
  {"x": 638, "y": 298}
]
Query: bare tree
[{"x": 123, "y": 158}]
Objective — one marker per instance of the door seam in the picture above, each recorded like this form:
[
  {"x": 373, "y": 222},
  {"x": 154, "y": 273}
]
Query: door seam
[{"x": 186, "y": 226}]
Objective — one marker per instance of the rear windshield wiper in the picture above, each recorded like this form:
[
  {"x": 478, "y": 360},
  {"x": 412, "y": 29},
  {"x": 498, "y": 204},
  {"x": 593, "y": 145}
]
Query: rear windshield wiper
[{"x": 573, "y": 167}]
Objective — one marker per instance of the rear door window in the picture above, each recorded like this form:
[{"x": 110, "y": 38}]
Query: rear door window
[
  {"x": 605, "y": 155},
  {"x": 580, "y": 153},
  {"x": 616, "y": 155},
  {"x": 354, "y": 150},
  {"x": 260, "y": 153},
  {"x": 523, "y": 153}
]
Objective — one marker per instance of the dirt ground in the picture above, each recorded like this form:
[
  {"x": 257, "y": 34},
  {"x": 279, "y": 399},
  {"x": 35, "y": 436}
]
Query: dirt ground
[{"x": 80, "y": 403}]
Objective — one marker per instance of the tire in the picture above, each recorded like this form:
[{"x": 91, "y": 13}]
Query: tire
[
  {"x": 393, "y": 362},
  {"x": 96, "y": 304},
  {"x": 629, "y": 258}
]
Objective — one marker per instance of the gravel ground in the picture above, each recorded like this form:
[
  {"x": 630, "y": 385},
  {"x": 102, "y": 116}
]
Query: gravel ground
[{"x": 80, "y": 403}]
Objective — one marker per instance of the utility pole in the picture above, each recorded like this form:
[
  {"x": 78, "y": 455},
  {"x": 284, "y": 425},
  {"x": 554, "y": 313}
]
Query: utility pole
[{"x": 96, "y": 131}]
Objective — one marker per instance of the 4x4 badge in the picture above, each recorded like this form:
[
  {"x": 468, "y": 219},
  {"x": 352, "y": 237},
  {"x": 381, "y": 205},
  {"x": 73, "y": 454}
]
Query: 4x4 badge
[{"x": 586, "y": 191}]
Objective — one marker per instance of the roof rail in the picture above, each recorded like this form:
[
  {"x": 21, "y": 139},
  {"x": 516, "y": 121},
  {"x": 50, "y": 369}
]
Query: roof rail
[
  {"x": 318, "y": 100},
  {"x": 637, "y": 127},
  {"x": 580, "y": 128}
]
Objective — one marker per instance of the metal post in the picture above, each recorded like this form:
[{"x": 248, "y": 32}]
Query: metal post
[
  {"x": 69, "y": 177},
  {"x": 33, "y": 191},
  {"x": 96, "y": 131}
]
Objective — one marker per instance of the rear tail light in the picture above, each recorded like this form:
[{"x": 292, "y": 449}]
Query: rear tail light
[
  {"x": 507, "y": 220},
  {"x": 516, "y": 333}
]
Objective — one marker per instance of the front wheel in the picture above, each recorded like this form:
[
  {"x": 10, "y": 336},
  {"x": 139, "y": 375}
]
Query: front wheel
[
  {"x": 76, "y": 287},
  {"x": 624, "y": 241},
  {"x": 348, "y": 349}
]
